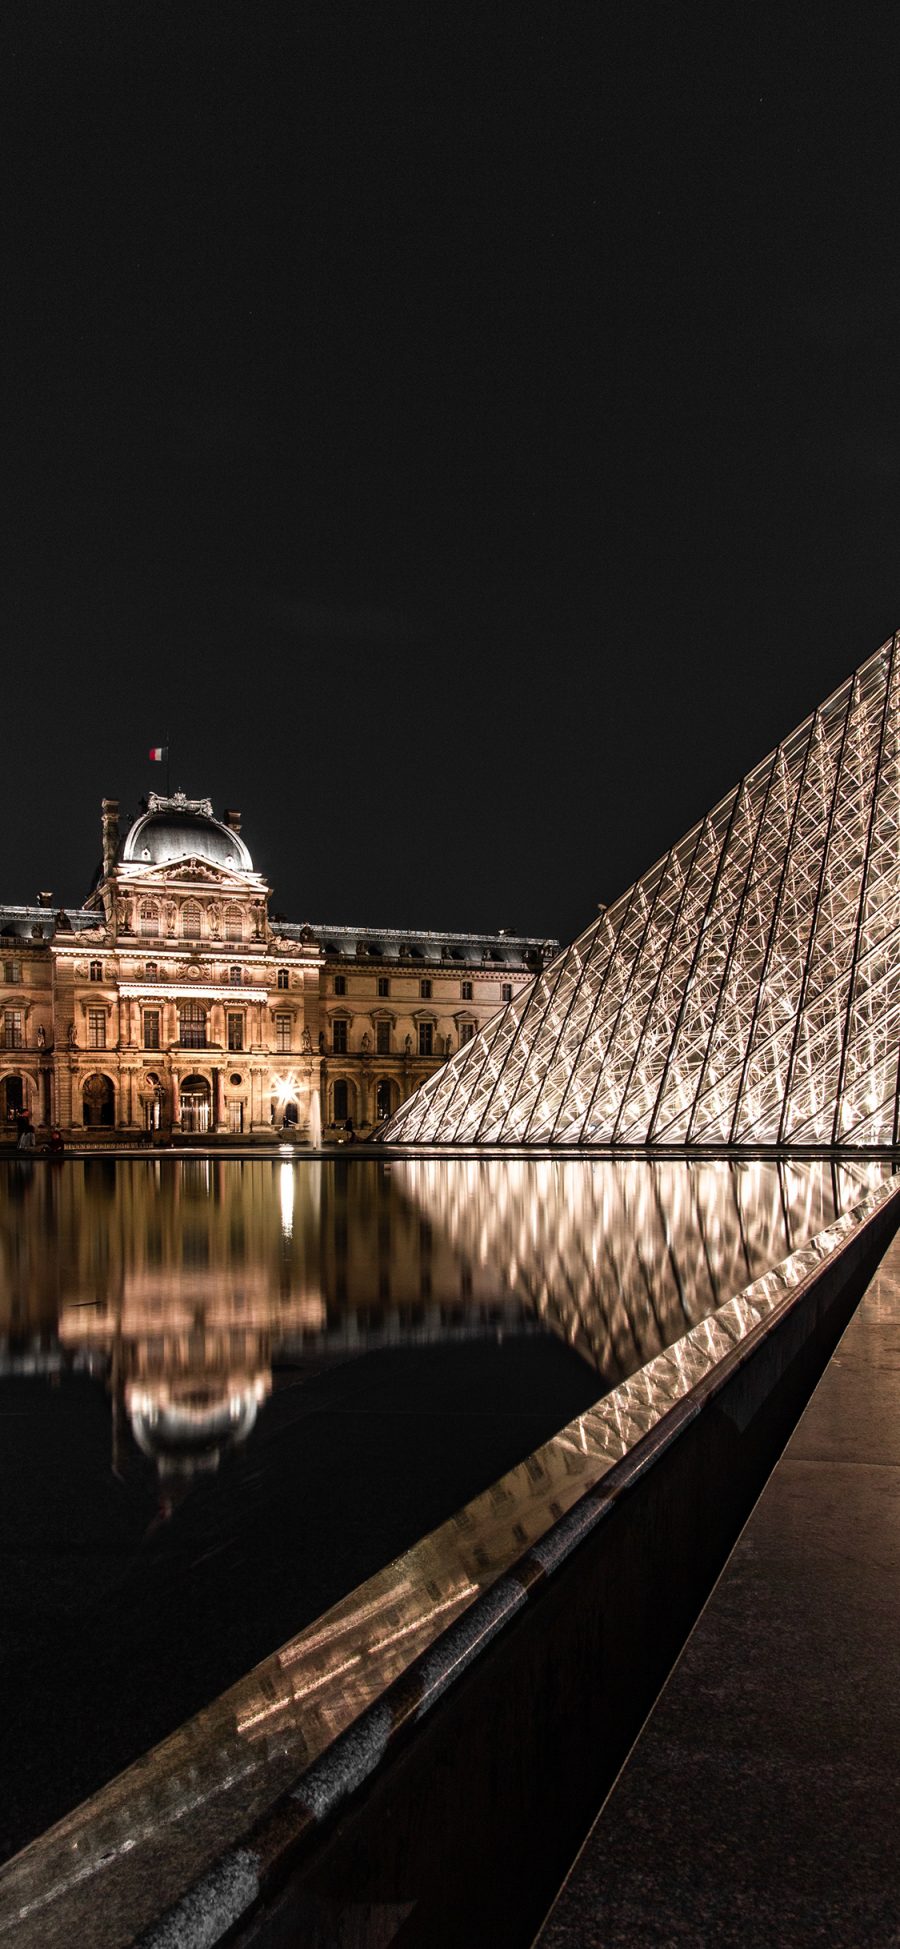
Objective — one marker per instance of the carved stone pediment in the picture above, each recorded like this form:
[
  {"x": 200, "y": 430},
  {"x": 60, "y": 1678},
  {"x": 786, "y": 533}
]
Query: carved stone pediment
[
  {"x": 154, "y": 879},
  {"x": 196, "y": 869}
]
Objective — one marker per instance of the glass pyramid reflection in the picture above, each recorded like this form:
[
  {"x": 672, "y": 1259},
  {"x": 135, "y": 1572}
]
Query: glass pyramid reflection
[{"x": 745, "y": 991}]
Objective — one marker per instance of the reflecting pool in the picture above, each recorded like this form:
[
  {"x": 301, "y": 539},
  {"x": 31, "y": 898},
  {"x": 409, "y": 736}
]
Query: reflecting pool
[{"x": 230, "y": 1391}]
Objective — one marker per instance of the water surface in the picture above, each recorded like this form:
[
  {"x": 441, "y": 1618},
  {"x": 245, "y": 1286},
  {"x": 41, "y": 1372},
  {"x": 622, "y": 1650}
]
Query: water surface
[{"x": 231, "y": 1391}]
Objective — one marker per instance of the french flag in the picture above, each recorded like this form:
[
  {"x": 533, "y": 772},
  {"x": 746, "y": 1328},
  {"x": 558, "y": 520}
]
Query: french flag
[{"x": 158, "y": 753}]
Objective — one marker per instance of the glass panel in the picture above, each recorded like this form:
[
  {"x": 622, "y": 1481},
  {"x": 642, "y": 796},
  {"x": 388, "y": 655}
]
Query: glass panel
[{"x": 742, "y": 991}]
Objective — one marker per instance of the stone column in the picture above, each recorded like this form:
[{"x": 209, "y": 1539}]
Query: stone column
[
  {"x": 176, "y": 1099},
  {"x": 62, "y": 1094},
  {"x": 219, "y": 1098}
]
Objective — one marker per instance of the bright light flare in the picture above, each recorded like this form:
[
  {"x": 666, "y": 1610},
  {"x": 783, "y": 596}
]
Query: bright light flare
[{"x": 286, "y": 1189}]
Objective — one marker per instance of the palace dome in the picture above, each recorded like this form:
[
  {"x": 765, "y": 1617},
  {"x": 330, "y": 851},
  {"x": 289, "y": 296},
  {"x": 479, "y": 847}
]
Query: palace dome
[{"x": 178, "y": 828}]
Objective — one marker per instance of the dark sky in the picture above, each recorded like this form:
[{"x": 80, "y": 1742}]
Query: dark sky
[{"x": 472, "y": 433}]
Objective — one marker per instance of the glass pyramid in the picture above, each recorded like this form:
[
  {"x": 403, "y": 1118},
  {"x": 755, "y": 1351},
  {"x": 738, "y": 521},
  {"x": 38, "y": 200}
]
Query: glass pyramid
[{"x": 745, "y": 991}]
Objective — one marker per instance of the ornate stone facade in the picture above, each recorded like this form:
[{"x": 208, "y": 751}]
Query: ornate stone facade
[{"x": 174, "y": 1003}]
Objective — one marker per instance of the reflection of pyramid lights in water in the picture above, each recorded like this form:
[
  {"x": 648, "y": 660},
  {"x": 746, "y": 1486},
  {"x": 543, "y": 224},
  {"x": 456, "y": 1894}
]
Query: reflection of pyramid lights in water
[{"x": 621, "y": 1257}]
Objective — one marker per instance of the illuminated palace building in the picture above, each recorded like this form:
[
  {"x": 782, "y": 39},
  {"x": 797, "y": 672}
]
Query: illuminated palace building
[{"x": 173, "y": 1001}]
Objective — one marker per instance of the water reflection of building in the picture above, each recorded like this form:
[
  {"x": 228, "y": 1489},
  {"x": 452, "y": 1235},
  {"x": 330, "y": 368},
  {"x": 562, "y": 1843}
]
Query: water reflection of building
[
  {"x": 173, "y": 1001},
  {"x": 182, "y": 1284}
]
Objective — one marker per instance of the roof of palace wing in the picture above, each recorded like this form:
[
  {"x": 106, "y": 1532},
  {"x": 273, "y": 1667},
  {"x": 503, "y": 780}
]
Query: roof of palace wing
[{"x": 177, "y": 828}]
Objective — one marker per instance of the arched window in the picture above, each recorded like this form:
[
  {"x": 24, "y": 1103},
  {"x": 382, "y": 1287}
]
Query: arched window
[
  {"x": 192, "y": 1025},
  {"x": 149, "y": 917},
  {"x": 151, "y": 970},
  {"x": 235, "y": 976},
  {"x": 12, "y": 1097},
  {"x": 341, "y": 1097},
  {"x": 98, "y": 1102},
  {"x": 96, "y": 971},
  {"x": 386, "y": 1098},
  {"x": 195, "y": 1103},
  {"x": 234, "y": 925},
  {"x": 190, "y": 920}
]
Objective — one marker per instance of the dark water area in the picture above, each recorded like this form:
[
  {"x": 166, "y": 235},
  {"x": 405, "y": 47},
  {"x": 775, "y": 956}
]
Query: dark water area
[{"x": 230, "y": 1392}]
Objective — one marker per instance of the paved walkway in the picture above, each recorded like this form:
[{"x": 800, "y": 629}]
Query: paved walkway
[{"x": 761, "y": 1804}]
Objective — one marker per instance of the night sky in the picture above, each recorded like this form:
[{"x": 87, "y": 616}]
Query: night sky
[{"x": 472, "y": 433}]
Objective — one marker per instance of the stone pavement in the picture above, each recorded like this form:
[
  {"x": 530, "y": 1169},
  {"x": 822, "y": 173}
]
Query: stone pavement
[{"x": 761, "y": 1804}]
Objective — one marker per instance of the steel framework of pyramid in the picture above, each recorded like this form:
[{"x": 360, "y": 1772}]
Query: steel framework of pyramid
[{"x": 745, "y": 991}]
